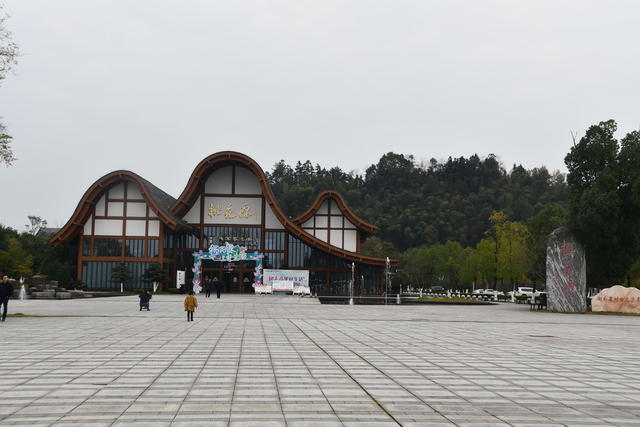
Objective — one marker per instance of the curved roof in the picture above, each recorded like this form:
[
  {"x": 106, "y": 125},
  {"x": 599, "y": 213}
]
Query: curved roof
[
  {"x": 361, "y": 224},
  {"x": 157, "y": 200},
  {"x": 202, "y": 170},
  {"x": 170, "y": 210}
]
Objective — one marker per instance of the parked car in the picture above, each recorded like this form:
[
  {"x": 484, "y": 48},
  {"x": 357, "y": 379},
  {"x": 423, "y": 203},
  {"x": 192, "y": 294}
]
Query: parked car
[{"x": 524, "y": 291}]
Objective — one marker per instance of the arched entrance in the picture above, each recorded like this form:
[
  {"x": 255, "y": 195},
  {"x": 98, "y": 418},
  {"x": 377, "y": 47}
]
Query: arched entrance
[{"x": 237, "y": 270}]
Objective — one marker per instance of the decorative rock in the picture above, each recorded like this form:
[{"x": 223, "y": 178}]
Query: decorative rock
[
  {"x": 617, "y": 299},
  {"x": 45, "y": 294},
  {"x": 566, "y": 273},
  {"x": 63, "y": 295}
]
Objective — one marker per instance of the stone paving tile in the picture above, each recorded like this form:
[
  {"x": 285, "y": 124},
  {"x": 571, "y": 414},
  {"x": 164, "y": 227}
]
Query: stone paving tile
[{"x": 289, "y": 361}]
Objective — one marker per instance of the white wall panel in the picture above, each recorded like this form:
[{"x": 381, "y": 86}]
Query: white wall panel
[
  {"x": 350, "y": 240},
  {"x": 233, "y": 210},
  {"x": 336, "y": 238},
  {"x": 270, "y": 219},
  {"x": 193, "y": 216},
  {"x": 154, "y": 228},
  {"x": 321, "y": 221},
  {"x": 108, "y": 227},
  {"x": 308, "y": 223},
  {"x": 336, "y": 222},
  {"x": 115, "y": 209},
  {"x": 87, "y": 227},
  {"x": 335, "y": 210},
  {"x": 324, "y": 208},
  {"x": 100, "y": 206},
  {"x": 133, "y": 191},
  {"x": 152, "y": 214},
  {"x": 136, "y": 227},
  {"x": 322, "y": 235},
  {"x": 348, "y": 224},
  {"x": 117, "y": 191},
  {"x": 136, "y": 209},
  {"x": 246, "y": 182},
  {"x": 219, "y": 181}
]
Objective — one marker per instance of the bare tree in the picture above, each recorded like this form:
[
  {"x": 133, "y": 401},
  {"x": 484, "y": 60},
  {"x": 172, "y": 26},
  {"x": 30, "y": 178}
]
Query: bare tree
[{"x": 8, "y": 58}]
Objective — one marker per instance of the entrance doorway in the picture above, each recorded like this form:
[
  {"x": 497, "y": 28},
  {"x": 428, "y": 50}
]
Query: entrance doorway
[{"x": 231, "y": 282}]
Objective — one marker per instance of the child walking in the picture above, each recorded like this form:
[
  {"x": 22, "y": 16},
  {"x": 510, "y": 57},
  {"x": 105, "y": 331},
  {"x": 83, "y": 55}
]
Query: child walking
[{"x": 190, "y": 304}]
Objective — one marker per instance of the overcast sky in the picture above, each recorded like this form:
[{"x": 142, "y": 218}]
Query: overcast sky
[{"x": 156, "y": 86}]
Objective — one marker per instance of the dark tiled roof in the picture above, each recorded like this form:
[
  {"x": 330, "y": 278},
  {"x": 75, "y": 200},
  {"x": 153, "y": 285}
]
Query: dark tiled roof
[
  {"x": 47, "y": 231},
  {"x": 163, "y": 200}
]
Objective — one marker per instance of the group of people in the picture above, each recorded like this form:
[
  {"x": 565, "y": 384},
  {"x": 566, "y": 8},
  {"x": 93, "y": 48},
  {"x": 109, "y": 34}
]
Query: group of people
[
  {"x": 211, "y": 285},
  {"x": 190, "y": 301}
]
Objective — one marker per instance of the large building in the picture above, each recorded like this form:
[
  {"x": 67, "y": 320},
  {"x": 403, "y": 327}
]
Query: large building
[{"x": 123, "y": 218}]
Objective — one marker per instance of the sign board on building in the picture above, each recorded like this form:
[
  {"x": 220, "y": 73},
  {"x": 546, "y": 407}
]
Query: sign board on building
[
  {"x": 180, "y": 278},
  {"x": 296, "y": 281}
]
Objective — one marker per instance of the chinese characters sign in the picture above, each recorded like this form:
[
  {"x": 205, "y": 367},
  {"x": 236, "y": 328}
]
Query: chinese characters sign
[
  {"x": 617, "y": 299},
  {"x": 566, "y": 273},
  {"x": 232, "y": 210}
]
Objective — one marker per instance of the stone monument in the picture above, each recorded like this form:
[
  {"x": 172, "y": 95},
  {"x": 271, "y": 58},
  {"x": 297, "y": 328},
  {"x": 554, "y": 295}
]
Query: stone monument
[
  {"x": 566, "y": 273},
  {"x": 617, "y": 299}
]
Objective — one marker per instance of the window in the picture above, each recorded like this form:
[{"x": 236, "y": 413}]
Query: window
[
  {"x": 107, "y": 247},
  {"x": 134, "y": 248},
  {"x": 153, "y": 248},
  {"x": 86, "y": 246},
  {"x": 274, "y": 241},
  {"x": 273, "y": 260},
  {"x": 369, "y": 280},
  {"x": 340, "y": 283},
  {"x": 302, "y": 255},
  {"x": 243, "y": 236}
]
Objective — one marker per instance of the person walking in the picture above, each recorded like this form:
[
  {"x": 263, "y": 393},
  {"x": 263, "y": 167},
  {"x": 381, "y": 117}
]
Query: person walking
[
  {"x": 6, "y": 291},
  {"x": 145, "y": 297},
  {"x": 216, "y": 284},
  {"x": 207, "y": 286},
  {"x": 190, "y": 304}
]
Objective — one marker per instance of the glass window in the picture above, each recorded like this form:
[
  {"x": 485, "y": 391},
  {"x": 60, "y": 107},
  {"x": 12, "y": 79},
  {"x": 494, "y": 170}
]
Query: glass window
[
  {"x": 340, "y": 281},
  {"x": 303, "y": 255},
  {"x": 340, "y": 263},
  {"x": 86, "y": 246},
  {"x": 274, "y": 240},
  {"x": 134, "y": 248},
  {"x": 273, "y": 260},
  {"x": 318, "y": 282},
  {"x": 107, "y": 247},
  {"x": 153, "y": 248},
  {"x": 98, "y": 275},
  {"x": 187, "y": 240},
  {"x": 369, "y": 280},
  {"x": 243, "y": 236}
]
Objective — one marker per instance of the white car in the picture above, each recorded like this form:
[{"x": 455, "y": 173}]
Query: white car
[{"x": 524, "y": 291}]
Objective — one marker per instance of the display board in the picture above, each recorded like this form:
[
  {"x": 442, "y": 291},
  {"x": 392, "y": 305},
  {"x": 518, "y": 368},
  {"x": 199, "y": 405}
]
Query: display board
[{"x": 296, "y": 281}]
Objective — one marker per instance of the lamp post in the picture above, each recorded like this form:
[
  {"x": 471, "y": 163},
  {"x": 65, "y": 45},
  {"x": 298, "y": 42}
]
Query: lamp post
[
  {"x": 353, "y": 270},
  {"x": 386, "y": 279}
]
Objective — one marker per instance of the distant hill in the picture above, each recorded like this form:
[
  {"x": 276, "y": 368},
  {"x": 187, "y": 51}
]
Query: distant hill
[{"x": 416, "y": 205}]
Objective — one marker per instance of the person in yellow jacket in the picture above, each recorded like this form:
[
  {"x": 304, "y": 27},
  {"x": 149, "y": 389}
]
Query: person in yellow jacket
[{"x": 190, "y": 304}]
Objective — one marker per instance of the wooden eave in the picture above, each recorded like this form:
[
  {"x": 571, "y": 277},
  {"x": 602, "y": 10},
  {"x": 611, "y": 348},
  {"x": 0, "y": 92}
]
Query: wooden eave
[
  {"x": 90, "y": 198},
  {"x": 189, "y": 194},
  {"x": 360, "y": 224}
]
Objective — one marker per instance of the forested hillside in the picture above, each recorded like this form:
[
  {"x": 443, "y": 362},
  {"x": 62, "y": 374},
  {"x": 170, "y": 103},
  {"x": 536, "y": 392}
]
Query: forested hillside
[{"x": 421, "y": 205}]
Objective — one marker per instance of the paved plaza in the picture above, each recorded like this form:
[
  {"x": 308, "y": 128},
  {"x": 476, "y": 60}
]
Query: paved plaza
[{"x": 290, "y": 361}]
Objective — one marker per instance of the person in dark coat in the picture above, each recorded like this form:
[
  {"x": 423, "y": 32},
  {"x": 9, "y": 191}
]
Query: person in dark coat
[
  {"x": 207, "y": 286},
  {"x": 145, "y": 297},
  {"x": 216, "y": 285},
  {"x": 6, "y": 291}
]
